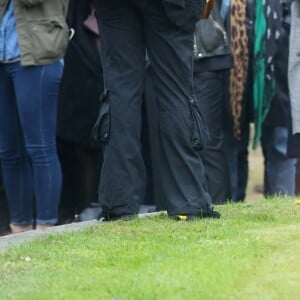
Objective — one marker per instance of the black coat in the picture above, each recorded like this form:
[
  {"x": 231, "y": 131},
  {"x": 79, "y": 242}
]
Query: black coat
[
  {"x": 82, "y": 81},
  {"x": 182, "y": 12},
  {"x": 279, "y": 114}
]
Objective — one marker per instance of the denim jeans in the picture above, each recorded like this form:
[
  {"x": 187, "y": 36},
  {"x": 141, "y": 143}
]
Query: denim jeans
[
  {"x": 280, "y": 171},
  {"x": 30, "y": 166},
  {"x": 4, "y": 213}
]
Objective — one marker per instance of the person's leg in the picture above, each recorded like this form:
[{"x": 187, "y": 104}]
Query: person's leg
[
  {"x": 230, "y": 143},
  {"x": 4, "y": 212},
  {"x": 230, "y": 146},
  {"x": 297, "y": 179},
  {"x": 153, "y": 135},
  {"x": 145, "y": 140},
  {"x": 208, "y": 87},
  {"x": 294, "y": 66},
  {"x": 71, "y": 187},
  {"x": 16, "y": 169},
  {"x": 36, "y": 93},
  {"x": 280, "y": 171},
  {"x": 89, "y": 165},
  {"x": 123, "y": 179},
  {"x": 266, "y": 146},
  {"x": 170, "y": 50},
  {"x": 242, "y": 162},
  {"x": 88, "y": 161}
]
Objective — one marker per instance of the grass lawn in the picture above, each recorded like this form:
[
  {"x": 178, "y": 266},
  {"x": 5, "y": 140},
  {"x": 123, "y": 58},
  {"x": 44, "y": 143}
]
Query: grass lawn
[{"x": 253, "y": 252}]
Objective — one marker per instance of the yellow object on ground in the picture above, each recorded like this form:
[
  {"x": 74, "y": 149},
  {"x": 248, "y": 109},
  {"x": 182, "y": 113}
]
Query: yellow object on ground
[
  {"x": 297, "y": 201},
  {"x": 182, "y": 217}
]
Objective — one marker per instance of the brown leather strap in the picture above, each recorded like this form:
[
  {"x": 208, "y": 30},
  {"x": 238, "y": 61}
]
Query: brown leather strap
[{"x": 208, "y": 7}]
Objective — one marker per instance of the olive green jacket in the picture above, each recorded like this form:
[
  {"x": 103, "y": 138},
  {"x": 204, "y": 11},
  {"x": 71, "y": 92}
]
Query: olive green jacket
[{"x": 42, "y": 29}]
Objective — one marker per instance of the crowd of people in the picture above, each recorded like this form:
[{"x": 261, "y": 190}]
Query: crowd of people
[{"x": 110, "y": 104}]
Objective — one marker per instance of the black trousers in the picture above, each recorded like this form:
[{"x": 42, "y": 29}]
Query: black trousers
[
  {"x": 208, "y": 90},
  {"x": 128, "y": 27}
]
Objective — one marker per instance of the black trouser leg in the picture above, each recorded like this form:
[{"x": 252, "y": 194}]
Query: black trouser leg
[
  {"x": 122, "y": 184},
  {"x": 181, "y": 169},
  {"x": 71, "y": 187},
  {"x": 208, "y": 87},
  {"x": 152, "y": 122}
]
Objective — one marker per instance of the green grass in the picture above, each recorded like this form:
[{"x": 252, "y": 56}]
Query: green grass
[{"x": 253, "y": 252}]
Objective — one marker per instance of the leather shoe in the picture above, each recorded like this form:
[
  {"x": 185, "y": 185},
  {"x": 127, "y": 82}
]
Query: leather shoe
[
  {"x": 209, "y": 213},
  {"x": 107, "y": 217}
]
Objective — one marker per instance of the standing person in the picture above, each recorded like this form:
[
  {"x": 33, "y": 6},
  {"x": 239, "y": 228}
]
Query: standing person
[
  {"x": 212, "y": 59},
  {"x": 78, "y": 106},
  {"x": 294, "y": 77},
  {"x": 294, "y": 66},
  {"x": 165, "y": 28},
  {"x": 271, "y": 95},
  {"x": 238, "y": 94},
  {"x": 4, "y": 213},
  {"x": 33, "y": 39}
]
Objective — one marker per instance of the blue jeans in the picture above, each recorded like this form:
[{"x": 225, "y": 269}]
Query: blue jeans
[
  {"x": 280, "y": 171},
  {"x": 31, "y": 170}
]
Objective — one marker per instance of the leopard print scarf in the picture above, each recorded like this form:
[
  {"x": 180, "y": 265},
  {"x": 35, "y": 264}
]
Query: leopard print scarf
[{"x": 239, "y": 49}]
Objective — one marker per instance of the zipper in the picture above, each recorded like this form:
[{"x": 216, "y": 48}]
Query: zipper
[
  {"x": 195, "y": 46},
  {"x": 199, "y": 131}
]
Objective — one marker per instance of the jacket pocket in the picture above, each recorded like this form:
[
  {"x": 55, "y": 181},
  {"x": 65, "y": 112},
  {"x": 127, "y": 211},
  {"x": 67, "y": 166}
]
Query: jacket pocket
[
  {"x": 101, "y": 129},
  {"x": 49, "y": 38},
  {"x": 199, "y": 131}
]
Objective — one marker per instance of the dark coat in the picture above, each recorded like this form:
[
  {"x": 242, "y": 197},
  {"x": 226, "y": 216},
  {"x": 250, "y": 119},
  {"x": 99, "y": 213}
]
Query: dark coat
[
  {"x": 182, "y": 12},
  {"x": 279, "y": 114},
  {"x": 82, "y": 82}
]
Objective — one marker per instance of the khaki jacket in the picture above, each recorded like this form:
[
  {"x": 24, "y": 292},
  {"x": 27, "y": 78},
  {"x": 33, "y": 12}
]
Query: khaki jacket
[{"x": 42, "y": 29}]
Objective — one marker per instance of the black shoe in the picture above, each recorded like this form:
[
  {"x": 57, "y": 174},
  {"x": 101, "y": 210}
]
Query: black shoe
[
  {"x": 210, "y": 213},
  {"x": 107, "y": 217},
  {"x": 187, "y": 218},
  {"x": 90, "y": 213}
]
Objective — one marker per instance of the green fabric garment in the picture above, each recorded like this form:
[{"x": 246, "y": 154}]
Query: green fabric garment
[
  {"x": 259, "y": 96},
  {"x": 43, "y": 34},
  {"x": 263, "y": 89}
]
